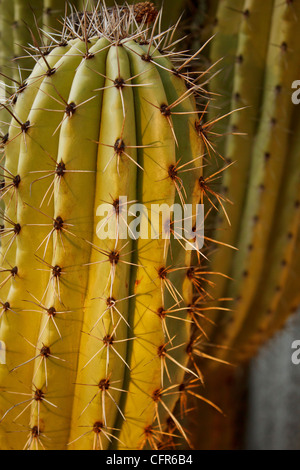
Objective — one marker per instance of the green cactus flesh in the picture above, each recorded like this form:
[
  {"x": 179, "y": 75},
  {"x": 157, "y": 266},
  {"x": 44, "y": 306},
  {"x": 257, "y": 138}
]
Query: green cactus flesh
[{"x": 97, "y": 331}]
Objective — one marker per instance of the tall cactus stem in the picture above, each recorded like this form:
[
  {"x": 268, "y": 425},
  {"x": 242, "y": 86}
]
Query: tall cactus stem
[{"x": 267, "y": 167}]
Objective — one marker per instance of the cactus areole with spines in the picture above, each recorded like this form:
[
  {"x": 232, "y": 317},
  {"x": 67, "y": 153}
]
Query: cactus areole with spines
[{"x": 95, "y": 332}]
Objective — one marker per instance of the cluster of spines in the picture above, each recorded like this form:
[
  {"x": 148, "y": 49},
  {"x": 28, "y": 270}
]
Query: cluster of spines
[{"x": 51, "y": 211}]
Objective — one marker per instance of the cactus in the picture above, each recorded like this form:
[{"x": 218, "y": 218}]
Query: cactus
[
  {"x": 21, "y": 18},
  {"x": 19, "y": 22},
  {"x": 261, "y": 181},
  {"x": 129, "y": 329},
  {"x": 95, "y": 332},
  {"x": 6, "y": 50}
]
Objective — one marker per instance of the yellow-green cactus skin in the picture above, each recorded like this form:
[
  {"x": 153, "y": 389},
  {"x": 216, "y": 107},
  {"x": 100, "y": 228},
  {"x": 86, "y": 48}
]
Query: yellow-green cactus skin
[{"x": 95, "y": 332}]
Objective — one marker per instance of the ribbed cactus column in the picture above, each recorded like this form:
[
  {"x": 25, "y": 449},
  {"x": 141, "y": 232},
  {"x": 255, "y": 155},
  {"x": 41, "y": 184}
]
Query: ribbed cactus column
[
  {"x": 269, "y": 159},
  {"x": 19, "y": 35},
  {"x": 246, "y": 92},
  {"x": 253, "y": 194},
  {"x": 96, "y": 297}
]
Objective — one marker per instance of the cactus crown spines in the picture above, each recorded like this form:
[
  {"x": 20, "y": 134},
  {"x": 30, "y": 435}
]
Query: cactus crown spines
[{"x": 115, "y": 22}]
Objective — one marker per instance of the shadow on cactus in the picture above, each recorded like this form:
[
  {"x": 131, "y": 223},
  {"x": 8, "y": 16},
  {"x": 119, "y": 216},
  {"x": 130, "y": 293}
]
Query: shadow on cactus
[{"x": 99, "y": 334}]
